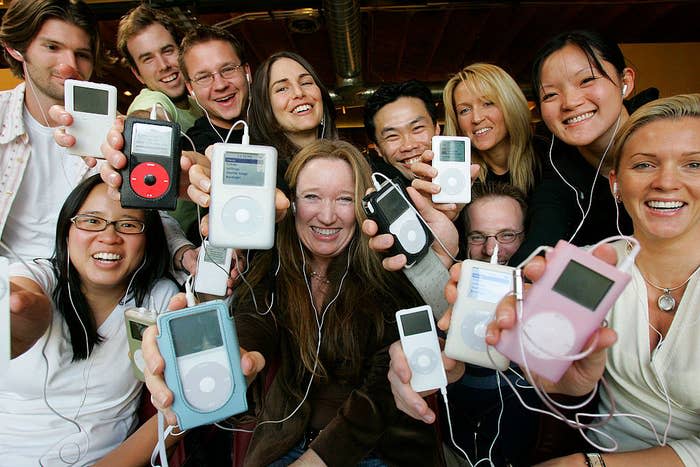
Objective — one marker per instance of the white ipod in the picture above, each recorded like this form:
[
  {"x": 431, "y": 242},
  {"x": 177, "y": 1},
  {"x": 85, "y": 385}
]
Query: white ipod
[
  {"x": 94, "y": 109},
  {"x": 242, "y": 213},
  {"x": 452, "y": 158},
  {"x": 481, "y": 286},
  {"x": 213, "y": 268},
  {"x": 5, "y": 343},
  {"x": 420, "y": 344}
]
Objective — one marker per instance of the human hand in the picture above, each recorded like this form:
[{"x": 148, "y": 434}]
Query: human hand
[
  {"x": 425, "y": 173},
  {"x": 441, "y": 225},
  {"x": 583, "y": 375},
  {"x": 407, "y": 400}
]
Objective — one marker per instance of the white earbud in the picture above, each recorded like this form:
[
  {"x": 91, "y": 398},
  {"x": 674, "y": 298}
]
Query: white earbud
[
  {"x": 624, "y": 90},
  {"x": 294, "y": 208},
  {"x": 247, "y": 76},
  {"x": 16, "y": 54},
  {"x": 616, "y": 191}
]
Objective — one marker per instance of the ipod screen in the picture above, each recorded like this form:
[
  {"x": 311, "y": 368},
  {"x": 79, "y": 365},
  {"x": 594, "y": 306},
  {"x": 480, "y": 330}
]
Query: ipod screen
[
  {"x": 90, "y": 100},
  {"x": 582, "y": 285},
  {"x": 452, "y": 151}
]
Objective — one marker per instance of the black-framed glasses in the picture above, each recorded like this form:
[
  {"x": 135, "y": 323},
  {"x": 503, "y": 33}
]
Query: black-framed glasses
[
  {"x": 97, "y": 224},
  {"x": 504, "y": 236},
  {"x": 226, "y": 72}
]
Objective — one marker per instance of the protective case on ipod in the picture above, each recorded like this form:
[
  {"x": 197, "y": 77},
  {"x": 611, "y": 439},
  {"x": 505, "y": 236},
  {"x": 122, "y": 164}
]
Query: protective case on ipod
[
  {"x": 202, "y": 364},
  {"x": 481, "y": 286},
  {"x": 562, "y": 310},
  {"x": 393, "y": 215}
]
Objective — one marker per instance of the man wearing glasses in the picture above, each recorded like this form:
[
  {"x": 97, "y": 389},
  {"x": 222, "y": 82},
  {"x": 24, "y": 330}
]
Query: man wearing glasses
[
  {"x": 495, "y": 216},
  {"x": 216, "y": 74}
]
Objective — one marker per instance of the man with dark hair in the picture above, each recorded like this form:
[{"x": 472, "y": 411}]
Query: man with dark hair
[
  {"x": 401, "y": 120},
  {"x": 148, "y": 41},
  {"x": 45, "y": 42}
]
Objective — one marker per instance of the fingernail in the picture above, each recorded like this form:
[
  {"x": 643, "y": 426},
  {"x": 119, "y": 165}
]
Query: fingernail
[
  {"x": 113, "y": 179},
  {"x": 501, "y": 319},
  {"x": 204, "y": 200},
  {"x": 162, "y": 399},
  {"x": 205, "y": 184}
]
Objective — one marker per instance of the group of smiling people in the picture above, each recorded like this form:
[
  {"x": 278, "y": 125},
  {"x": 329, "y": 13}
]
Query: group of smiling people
[{"x": 315, "y": 314}]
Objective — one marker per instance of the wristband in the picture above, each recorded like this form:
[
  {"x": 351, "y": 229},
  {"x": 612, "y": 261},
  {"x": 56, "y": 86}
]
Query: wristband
[
  {"x": 429, "y": 276},
  {"x": 594, "y": 459}
]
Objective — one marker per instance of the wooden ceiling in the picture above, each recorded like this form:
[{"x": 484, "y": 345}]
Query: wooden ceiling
[{"x": 425, "y": 40}]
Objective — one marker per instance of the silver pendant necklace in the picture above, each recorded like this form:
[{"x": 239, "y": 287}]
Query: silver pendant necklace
[{"x": 666, "y": 302}]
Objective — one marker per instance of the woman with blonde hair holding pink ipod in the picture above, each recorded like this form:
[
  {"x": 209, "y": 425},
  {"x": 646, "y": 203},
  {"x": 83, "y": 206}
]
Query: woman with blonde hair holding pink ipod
[{"x": 654, "y": 323}]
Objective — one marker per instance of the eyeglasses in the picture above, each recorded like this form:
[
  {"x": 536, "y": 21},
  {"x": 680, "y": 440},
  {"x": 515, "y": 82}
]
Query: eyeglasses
[
  {"x": 226, "y": 72},
  {"x": 504, "y": 236},
  {"x": 97, "y": 224}
]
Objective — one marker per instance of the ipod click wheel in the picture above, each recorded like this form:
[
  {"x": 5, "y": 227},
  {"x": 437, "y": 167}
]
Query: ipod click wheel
[
  {"x": 421, "y": 347},
  {"x": 202, "y": 364},
  {"x": 5, "y": 342},
  {"x": 481, "y": 286},
  {"x": 562, "y": 310},
  {"x": 452, "y": 159},
  {"x": 243, "y": 182}
]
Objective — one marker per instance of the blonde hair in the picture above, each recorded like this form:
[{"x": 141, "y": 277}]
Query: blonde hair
[
  {"x": 494, "y": 84},
  {"x": 668, "y": 108}
]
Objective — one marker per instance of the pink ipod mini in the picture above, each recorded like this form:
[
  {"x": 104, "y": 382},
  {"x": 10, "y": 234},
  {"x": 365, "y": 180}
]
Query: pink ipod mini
[{"x": 562, "y": 310}]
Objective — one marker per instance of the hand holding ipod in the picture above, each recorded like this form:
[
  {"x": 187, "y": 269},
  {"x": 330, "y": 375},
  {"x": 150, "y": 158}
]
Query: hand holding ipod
[
  {"x": 582, "y": 376},
  {"x": 438, "y": 222},
  {"x": 251, "y": 363}
]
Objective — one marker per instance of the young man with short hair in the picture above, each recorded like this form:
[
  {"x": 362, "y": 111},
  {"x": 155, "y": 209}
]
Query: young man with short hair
[
  {"x": 400, "y": 119},
  {"x": 149, "y": 41},
  {"x": 45, "y": 42}
]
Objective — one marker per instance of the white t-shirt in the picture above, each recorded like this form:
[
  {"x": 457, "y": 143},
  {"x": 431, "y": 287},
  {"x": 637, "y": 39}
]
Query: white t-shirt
[
  {"x": 98, "y": 396},
  {"x": 640, "y": 378},
  {"x": 49, "y": 178}
]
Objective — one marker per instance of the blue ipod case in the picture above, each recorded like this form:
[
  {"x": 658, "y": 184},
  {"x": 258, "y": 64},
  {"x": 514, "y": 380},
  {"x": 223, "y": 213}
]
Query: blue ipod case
[{"x": 204, "y": 392}]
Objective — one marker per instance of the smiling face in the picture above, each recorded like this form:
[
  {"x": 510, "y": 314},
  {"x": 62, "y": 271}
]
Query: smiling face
[
  {"x": 577, "y": 102},
  {"x": 60, "y": 50},
  {"x": 479, "y": 119},
  {"x": 490, "y": 215},
  {"x": 404, "y": 130},
  {"x": 155, "y": 53},
  {"x": 295, "y": 98},
  {"x": 108, "y": 258},
  {"x": 325, "y": 207},
  {"x": 224, "y": 98},
  {"x": 659, "y": 180}
]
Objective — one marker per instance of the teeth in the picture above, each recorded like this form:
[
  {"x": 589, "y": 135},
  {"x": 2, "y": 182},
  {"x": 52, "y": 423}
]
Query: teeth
[
  {"x": 325, "y": 231},
  {"x": 224, "y": 99},
  {"x": 103, "y": 256},
  {"x": 301, "y": 108},
  {"x": 665, "y": 204},
  {"x": 579, "y": 118},
  {"x": 170, "y": 78},
  {"x": 411, "y": 161},
  {"x": 481, "y": 131}
]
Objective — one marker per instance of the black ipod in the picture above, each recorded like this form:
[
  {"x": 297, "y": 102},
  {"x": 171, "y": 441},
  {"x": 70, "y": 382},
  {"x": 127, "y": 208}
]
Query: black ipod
[
  {"x": 152, "y": 173},
  {"x": 391, "y": 209}
]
